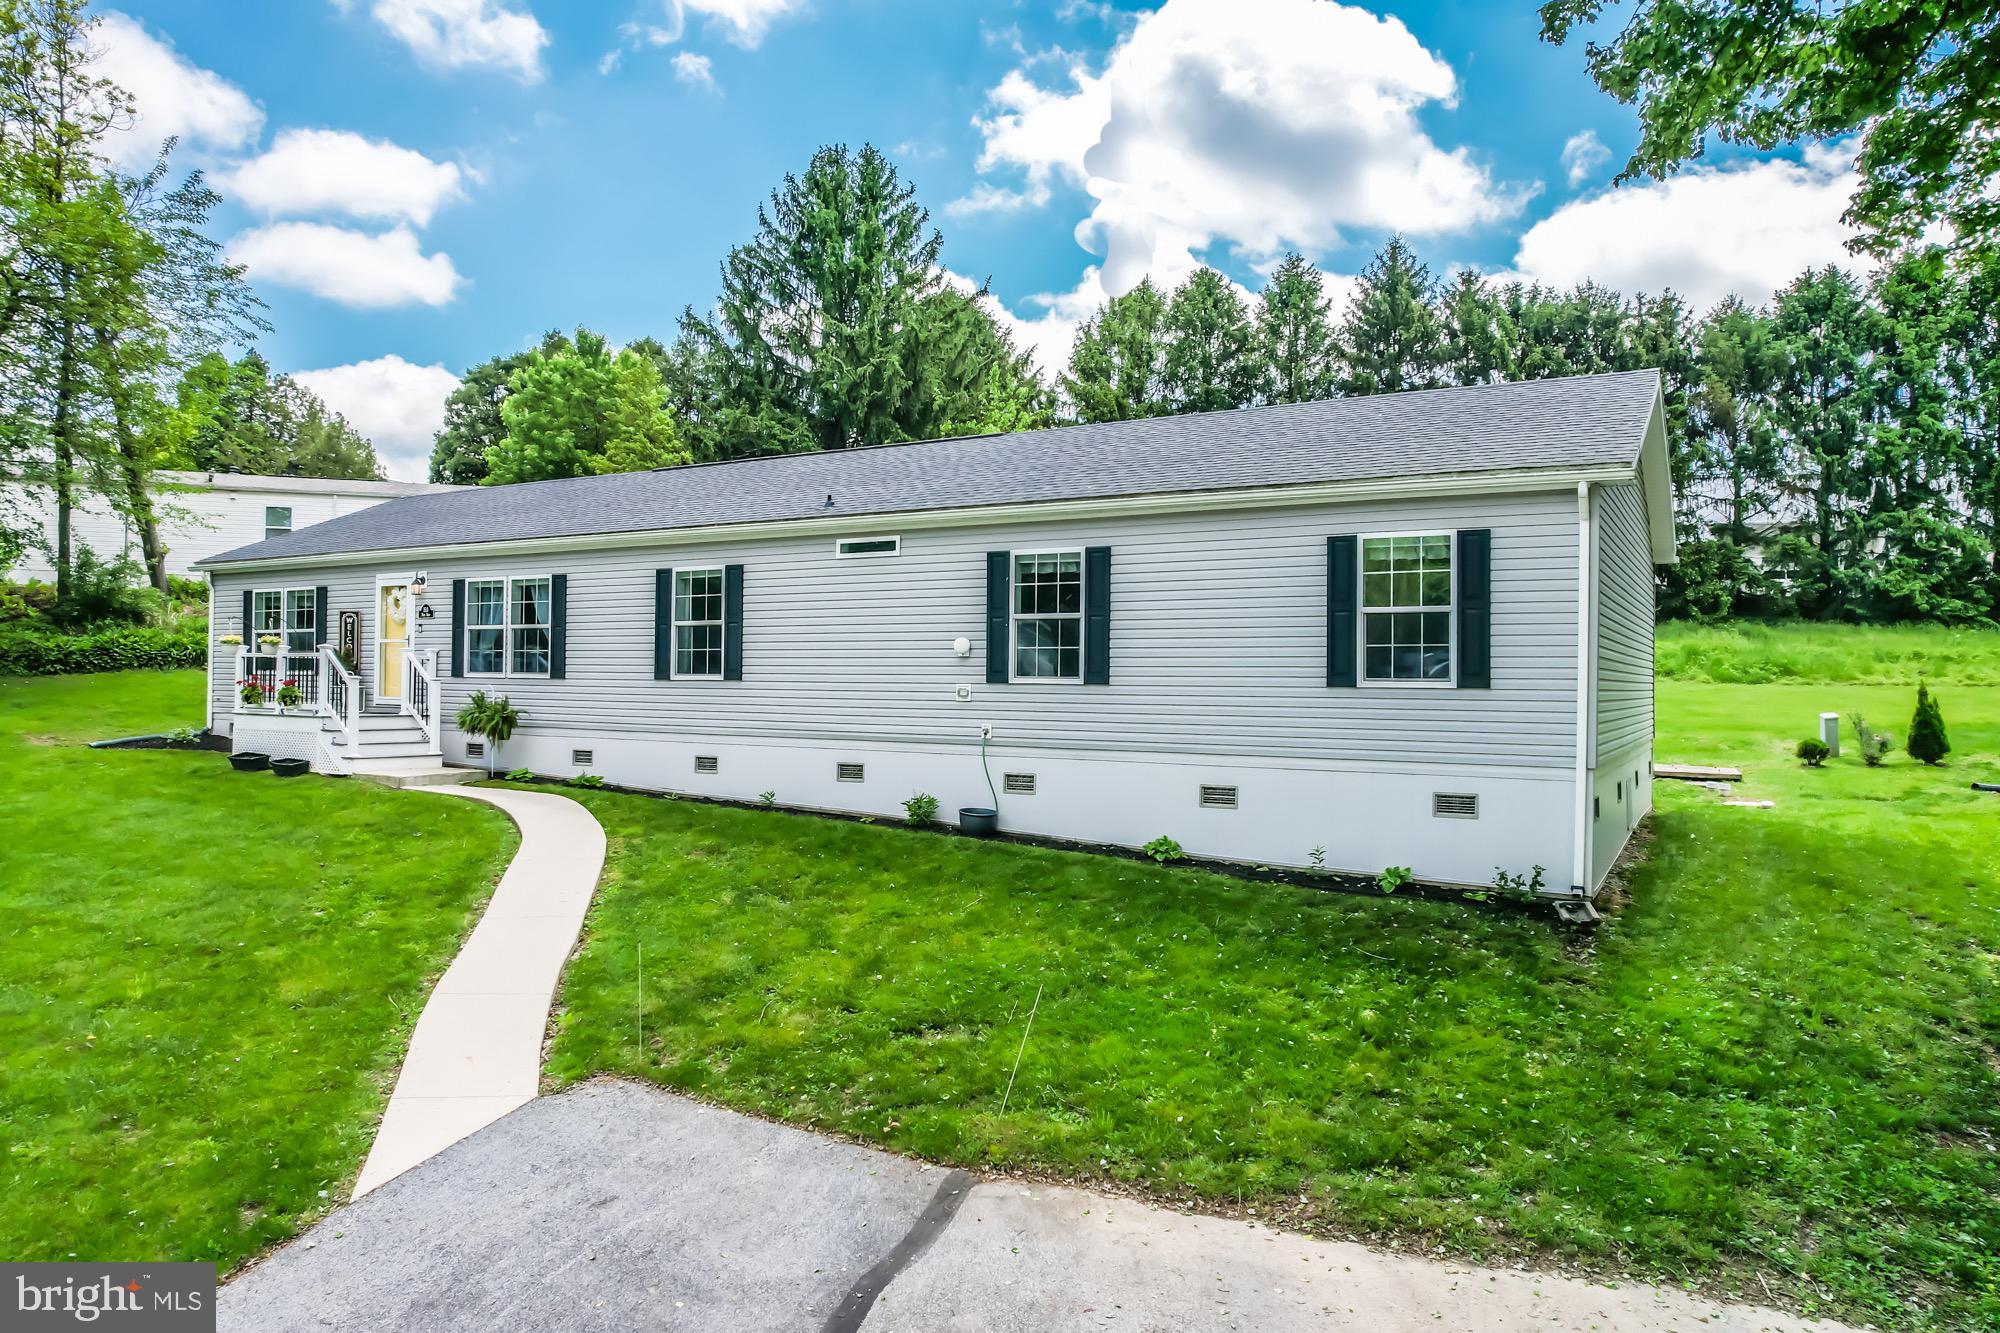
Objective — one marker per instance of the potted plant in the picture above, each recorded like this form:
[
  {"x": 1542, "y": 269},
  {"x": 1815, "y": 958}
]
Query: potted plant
[
  {"x": 291, "y": 768},
  {"x": 492, "y": 718},
  {"x": 289, "y": 694},
  {"x": 249, "y": 761},
  {"x": 232, "y": 640},
  {"x": 270, "y": 640},
  {"x": 251, "y": 691}
]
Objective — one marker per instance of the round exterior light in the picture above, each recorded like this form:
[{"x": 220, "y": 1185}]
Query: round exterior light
[{"x": 962, "y": 646}]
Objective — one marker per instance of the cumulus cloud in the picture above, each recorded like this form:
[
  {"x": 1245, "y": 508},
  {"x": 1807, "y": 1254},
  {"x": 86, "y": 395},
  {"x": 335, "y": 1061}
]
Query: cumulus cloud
[
  {"x": 743, "y": 22},
  {"x": 1582, "y": 154},
  {"x": 396, "y": 403},
  {"x": 1707, "y": 232},
  {"x": 1259, "y": 123},
  {"x": 337, "y": 171},
  {"x": 695, "y": 71},
  {"x": 174, "y": 97},
  {"x": 452, "y": 34},
  {"x": 355, "y": 268}
]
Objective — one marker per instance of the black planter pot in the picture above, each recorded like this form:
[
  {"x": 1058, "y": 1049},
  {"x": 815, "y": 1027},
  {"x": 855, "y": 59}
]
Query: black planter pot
[
  {"x": 249, "y": 761},
  {"x": 291, "y": 768},
  {"x": 978, "y": 820}
]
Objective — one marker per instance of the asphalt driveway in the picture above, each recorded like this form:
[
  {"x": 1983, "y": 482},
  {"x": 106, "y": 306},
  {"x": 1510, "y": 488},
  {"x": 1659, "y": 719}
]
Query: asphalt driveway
[{"x": 617, "y": 1207}]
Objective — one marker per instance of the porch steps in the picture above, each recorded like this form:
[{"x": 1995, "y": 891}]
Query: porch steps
[{"x": 423, "y": 771}]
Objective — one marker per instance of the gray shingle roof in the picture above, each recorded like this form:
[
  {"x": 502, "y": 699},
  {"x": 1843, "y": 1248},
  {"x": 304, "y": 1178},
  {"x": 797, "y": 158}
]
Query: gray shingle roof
[{"x": 1578, "y": 421}]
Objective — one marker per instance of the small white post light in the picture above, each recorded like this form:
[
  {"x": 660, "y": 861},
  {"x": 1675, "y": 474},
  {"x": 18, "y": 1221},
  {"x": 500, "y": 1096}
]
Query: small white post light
[{"x": 962, "y": 646}]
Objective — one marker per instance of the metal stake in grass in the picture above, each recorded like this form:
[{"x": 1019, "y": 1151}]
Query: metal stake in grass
[{"x": 1024, "y": 1046}]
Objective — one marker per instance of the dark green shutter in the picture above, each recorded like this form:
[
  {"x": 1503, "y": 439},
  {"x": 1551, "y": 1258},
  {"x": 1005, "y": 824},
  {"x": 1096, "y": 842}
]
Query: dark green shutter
[
  {"x": 1475, "y": 608},
  {"x": 558, "y": 625},
  {"x": 663, "y": 624},
  {"x": 458, "y": 627},
  {"x": 1097, "y": 615},
  {"x": 996, "y": 616},
  {"x": 1343, "y": 585},
  {"x": 732, "y": 622},
  {"x": 249, "y": 633},
  {"x": 319, "y": 614}
]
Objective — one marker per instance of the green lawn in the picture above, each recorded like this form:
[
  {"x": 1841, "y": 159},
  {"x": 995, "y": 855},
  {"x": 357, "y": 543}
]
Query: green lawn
[
  {"x": 1775, "y": 1071},
  {"x": 209, "y": 976}
]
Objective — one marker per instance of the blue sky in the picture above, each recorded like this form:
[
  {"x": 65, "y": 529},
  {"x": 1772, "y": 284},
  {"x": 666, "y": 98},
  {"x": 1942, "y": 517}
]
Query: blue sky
[{"x": 417, "y": 185}]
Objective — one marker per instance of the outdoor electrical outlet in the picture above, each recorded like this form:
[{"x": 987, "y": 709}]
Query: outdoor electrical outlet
[{"x": 986, "y": 731}]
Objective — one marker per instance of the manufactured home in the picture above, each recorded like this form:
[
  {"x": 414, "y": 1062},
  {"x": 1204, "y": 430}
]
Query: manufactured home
[
  {"x": 200, "y": 514},
  {"x": 1407, "y": 630}
]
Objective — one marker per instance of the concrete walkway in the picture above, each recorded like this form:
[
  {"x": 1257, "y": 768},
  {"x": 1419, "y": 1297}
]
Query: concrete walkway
[
  {"x": 476, "y": 1053},
  {"x": 612, "y": 1206}
]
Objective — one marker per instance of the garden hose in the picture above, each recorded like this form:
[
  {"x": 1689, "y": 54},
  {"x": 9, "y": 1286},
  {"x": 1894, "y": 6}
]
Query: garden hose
[{"x": 988, "y": 772}]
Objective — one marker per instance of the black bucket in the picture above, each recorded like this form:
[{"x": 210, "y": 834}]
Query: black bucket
[
  {"x": 249, "y": 761},
  {"x": 978, "y": 820},
  {"x": 291, "y": 768}
]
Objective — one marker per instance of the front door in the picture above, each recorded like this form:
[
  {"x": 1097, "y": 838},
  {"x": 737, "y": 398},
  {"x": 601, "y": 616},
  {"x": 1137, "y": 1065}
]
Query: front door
[{"x": 392, "y": 637}]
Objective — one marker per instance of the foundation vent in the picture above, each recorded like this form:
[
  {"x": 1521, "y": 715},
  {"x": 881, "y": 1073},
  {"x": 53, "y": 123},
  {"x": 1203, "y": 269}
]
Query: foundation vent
[
  {"x": 581, "y": 758},
  {"x": 1454, "y": 805},
  {"x": 849, "y": 772},
  {"x": 1018, "y": 784},
  {"x": 1218, "y": 798},
  {"x": 706, "y": 763},
  {"x": 475, "y": 749}
]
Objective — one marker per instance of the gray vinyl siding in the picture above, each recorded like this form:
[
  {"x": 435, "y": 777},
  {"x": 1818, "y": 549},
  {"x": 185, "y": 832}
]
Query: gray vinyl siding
[
  {"x": 1624, "y": 624},
  {"x": 1217, "y": 640}
]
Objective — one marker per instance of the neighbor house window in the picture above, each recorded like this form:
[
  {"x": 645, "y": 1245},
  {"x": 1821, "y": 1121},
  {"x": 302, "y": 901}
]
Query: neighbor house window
[
  {"x": 698, "y": 622},
  {"x": 277, "y": 521},
  {"x": 1406, "y": 607},
  {"x": 507, "y": 627},
  {"x": 290, "y": 613},
  {"x": 1048, "y": 615}
]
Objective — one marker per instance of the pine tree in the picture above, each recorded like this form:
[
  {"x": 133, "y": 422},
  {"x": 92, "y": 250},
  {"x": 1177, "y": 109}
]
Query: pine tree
[
  {"x": 1391, "y": 339},
  {"x": 1117, "y": 365},
  {"x": 1295, "y": 334},
  {"x": 1212, "y": 360},
  {"x": 1928, "y": 741},
  {"x": 472, "y": 420},
  {"x": 1480, "y": 339}
]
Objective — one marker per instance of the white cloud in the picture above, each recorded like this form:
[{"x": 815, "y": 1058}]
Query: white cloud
[
  {"x": 1706, "y": 232},
  {"x": 1583, "y": 153},
  {"x": 743, "y": 22},
  {"x": 396, "y": 403},
  {"x": 174, "y": 97},
  {"x": 452, "y": 34},
  {"x": 354, "y": 268},
  {"x": 1259, "y": 123},
  {"x": 695, "y": 71},
  {"x": 337, "y": 171}
]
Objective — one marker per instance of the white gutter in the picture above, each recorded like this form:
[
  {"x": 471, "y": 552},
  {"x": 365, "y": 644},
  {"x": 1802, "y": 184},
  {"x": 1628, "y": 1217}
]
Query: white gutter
[
  {"x": 1520, "y": 481},
  {"x": 208, "y": 658},
  {"x": 1586, "y": 589}
]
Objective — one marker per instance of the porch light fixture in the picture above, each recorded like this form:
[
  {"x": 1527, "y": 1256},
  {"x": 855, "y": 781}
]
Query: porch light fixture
[{"x": 420, "y": 584}]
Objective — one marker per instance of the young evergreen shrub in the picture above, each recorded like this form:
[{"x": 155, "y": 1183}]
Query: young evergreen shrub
[
  {"x": 1928, "y": 741},
  {"x": 1873, "y": 744},
  {"x": 1813, "y": 752}
]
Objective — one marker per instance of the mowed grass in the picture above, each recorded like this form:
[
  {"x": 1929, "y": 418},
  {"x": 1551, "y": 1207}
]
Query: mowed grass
[
  {"x": 1773, "y": 1073},
  {"x": 209, "y": 977}
]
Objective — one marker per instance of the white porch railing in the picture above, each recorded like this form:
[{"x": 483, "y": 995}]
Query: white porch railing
[
  {"x": 342, "y": 696},
  {"x": 271, "y": 667},
  {"x": 420, "y": 693}
]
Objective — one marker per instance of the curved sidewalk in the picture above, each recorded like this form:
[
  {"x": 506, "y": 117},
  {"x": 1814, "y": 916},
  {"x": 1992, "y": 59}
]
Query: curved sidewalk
[{"x": 476, "y": 1053}]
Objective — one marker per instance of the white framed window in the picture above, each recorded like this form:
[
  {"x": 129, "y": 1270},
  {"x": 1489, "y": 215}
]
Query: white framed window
[
  {"x": 1407, "y": 592},
  {"x": 290, "y": 613},
  {"x": 698, "y": 624},
  {"x": 1048, "y": 615},
  {"x": 508, "y": 626},
  {"x": 849, "y": 548},
  {"x": 277, "y": 521}
]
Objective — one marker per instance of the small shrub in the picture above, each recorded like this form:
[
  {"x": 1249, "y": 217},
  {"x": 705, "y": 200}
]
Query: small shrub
[
  {"x": 1812, "y": 752},
  {"x": 1318, "y": 858},
  {"x": 191, "y": 592},
  {"x": 184, "y": 735},
  {"x": 1872, "y": 744},
  {"x": 1525, "y": 887},
  {"x": 767, "y": 798},
  {"x": 100, "y": 591},
  {"x": 34, "y": 648},
  {"x": 1928, "y": 742},
  {"x": 520, "y": 775},
  {"x": 1164, "y": 849},
  {"x": 584, "y": 780},
  {"x": 1395, "y": 877},
  {"x": 921, "y": 809}
]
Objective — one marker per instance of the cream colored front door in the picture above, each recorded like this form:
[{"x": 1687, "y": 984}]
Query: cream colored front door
[{"x": 392, "y": 637}]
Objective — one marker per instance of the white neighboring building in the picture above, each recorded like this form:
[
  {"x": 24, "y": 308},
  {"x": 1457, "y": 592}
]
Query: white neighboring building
[{"x": 206, "y": 513}]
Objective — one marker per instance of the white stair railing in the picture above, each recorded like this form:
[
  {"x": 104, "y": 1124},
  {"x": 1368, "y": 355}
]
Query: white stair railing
[
  {"x": 420, "y": 693},
  {"x": 341, "y": 700}
]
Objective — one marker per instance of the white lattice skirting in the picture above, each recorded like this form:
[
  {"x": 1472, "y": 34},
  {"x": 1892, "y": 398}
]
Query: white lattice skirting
[{"x": 284, "y": 738}]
